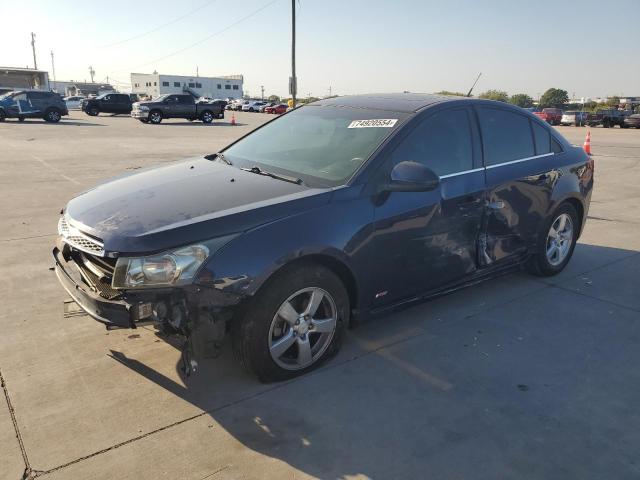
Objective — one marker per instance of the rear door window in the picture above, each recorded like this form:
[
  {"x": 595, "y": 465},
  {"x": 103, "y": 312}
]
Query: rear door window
[
  {"x": 506, "y": 136},
  {"x": 542, "y": 139}
]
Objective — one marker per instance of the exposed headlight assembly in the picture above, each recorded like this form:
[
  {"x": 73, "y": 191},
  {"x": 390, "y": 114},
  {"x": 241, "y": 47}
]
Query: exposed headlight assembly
[
  {"x": 143, "y": 108},
  {"x": 175, "y": 267}
]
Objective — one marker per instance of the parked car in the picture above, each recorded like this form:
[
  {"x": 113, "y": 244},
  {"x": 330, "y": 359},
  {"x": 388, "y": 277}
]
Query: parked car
[
  {"x": 266, "y": 105},
  {"x": 23, "y": 104},
  {"x": 73, "y": 103},
  {"x": 632, "y": 121},
  {"x": 341, "y": 209},
  {"x": 578, "y": 119},
  {"x": 175, "y": 106},
  {"x": 134, "y": 98},
  {"x": 253, "y": 106},
  {"x": 278, "y": 109},
  {"x": 552, "y": 116},
  {"x": 115, "y": 103},
  {"x": 238, "y": 106},
  {"x": 608, "y": 118}
]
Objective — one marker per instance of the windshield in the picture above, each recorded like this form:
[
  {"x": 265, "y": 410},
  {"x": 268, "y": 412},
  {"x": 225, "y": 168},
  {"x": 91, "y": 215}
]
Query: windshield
[
  {"x": 324, "y": 146},
  {"x": 161, "y": 98}
]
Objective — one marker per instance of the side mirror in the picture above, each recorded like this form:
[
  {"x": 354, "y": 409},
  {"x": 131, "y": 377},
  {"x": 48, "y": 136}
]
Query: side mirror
[{"x": 411, "y": 177}]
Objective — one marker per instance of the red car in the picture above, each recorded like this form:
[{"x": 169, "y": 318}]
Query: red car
[
  {"x": 552, "y": 116},
  {"x": 277, "y": 109}
]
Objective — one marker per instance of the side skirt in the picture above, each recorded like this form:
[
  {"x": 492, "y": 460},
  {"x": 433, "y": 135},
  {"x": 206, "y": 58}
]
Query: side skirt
[{"x": 478, "y": 277}]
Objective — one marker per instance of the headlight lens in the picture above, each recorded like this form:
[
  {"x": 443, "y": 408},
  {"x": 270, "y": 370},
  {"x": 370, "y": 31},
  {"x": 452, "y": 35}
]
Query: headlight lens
[
  {"x": 176, "y": 267},
  {"x": 142, "y": 108}
]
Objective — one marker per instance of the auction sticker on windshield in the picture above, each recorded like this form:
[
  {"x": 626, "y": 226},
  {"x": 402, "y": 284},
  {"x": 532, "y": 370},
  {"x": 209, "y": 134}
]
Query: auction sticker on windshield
[{"x": 374, "y": 123}]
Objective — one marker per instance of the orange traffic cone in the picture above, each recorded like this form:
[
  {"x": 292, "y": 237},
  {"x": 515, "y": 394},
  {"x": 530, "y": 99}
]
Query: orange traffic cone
[
  {"x": 587, "y": 143},
  {"x": 233, "y": 119}
]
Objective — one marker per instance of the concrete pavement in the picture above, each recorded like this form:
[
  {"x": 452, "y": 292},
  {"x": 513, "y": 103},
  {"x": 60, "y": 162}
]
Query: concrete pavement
[{"x": 516, "y": 377}]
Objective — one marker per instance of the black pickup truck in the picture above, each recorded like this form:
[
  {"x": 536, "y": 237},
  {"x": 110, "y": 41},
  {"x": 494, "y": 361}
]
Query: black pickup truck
[
  {"x": 115, "y": 103},
  {"x": 175, "y": 106},
  {"x": 607, "y": 118}
]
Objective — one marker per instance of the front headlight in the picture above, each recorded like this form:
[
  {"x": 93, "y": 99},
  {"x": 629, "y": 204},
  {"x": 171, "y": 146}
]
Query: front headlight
[
  {"x": 142, "y": 108},
  {"x": 177, "y": 267}
]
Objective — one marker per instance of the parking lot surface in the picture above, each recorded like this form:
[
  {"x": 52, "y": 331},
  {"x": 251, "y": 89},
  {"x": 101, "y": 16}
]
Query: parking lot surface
[{"x": 518, "y": 377}]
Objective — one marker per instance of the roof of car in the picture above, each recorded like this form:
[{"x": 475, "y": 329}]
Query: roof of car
[{"x": 399, "y": 102}]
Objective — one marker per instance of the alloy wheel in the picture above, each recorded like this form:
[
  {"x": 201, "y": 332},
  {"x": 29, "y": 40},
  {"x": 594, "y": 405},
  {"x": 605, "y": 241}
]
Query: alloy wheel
[
  {"x": 302, "y": 328},
  {"x": 559, "y": 239}
]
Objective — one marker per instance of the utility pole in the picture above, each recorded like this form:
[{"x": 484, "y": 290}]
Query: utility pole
[
  {"x": 197, "y": 71},
  {"x": 293, "y": 87},
  {"x": 262, "y": 92},
  {"x": 53, "y": 69},
  {"x": 329, "y": 90},
  {"x": 33, "y": 48},
  {"x": 92, "y": 72}
]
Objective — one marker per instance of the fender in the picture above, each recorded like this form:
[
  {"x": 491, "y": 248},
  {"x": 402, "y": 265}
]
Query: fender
[{"x": 243, "y": 266}]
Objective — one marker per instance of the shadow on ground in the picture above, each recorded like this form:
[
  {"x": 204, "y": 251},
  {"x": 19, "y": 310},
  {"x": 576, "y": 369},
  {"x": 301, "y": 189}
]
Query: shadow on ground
[{"x": 515, "y": 378}]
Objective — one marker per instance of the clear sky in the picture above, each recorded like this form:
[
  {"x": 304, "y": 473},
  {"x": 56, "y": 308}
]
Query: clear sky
[{"x": 587, "y": 47}]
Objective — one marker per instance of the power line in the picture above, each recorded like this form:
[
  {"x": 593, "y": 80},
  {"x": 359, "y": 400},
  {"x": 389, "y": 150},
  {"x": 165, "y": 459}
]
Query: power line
[
  {"x": 175, "y": 20},
  {"x": 255, "y": 12}
]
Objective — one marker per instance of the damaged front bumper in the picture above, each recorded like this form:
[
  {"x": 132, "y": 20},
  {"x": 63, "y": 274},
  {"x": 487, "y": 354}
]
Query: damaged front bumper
[{"x": 111, "y": 312}]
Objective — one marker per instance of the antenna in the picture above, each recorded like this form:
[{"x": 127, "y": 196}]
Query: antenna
[{"x": 474, "y": 84}]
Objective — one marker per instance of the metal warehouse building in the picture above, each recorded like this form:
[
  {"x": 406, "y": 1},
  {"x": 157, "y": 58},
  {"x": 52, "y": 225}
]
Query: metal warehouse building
[{"x": 155, "y": 84}]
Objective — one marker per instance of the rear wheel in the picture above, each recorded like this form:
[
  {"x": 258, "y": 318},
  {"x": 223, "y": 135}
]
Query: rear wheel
[
  {"x": 557, "y": 239},
  {"x": 294, "y": 324},
  {"x": 52, "y": 115}
]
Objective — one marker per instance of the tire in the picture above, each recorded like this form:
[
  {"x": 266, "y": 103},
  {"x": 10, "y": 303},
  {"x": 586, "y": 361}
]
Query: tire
[
  {"x": 155, "y": 117},
  {"x": 256, "y": 334},
  {"x": 52, "y": 115},
  {"x": 544, "y": 264},
  {"x": 93, "y": 111},
  {"x": 251, "y": 110},
  {"x": 21, "y": 118},
  {"x": 207, "y": 116}
]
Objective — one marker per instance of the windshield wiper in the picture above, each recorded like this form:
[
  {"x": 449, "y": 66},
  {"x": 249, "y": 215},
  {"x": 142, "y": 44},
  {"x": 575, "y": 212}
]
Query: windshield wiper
[
  {"x": 220, "y": 157},
  {"x": 259, "y": 171}
]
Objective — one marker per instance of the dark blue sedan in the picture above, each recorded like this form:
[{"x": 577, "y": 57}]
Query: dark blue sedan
[{"x": 345, "y": 208}]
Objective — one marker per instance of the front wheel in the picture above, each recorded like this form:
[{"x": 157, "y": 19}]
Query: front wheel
[
  {"x": 294, "y": 324},
  {"x": 155, "y": 117},
  {"x": 93, "y": 111},
  {"x": 557, "y": 239},
  {"x": 207, "y": 117}
]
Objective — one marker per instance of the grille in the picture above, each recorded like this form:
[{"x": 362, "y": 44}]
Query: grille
[
  {"x": 83, "y": 243},
  {"x": 97, "y": 273},
  {"x": 78, "y": 239}
]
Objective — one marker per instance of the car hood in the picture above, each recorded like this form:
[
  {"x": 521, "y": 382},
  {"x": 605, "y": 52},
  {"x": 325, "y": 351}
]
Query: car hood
[
  {"x": 183, "y": 203},
  {"x": 149, "y": 104}
]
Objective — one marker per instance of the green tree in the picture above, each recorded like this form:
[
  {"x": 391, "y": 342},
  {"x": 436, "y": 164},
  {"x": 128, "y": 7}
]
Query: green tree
[
  {"x": 448, "y": 93},
  {"x": 522, "y": 100},
  {"x": 554, "y": 97},
  {"x": 274, "y": 98},
  {"x": 499, "y": 95}
]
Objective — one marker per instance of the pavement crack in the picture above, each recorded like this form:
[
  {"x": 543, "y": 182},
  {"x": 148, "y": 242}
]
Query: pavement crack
[{"x": 28, "y": 473}]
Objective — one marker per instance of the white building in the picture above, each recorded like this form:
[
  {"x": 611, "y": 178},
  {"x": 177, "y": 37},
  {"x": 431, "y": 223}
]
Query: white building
[
  {"x": 154, "y": 84},
  {"x": 16, "y": 78}
]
